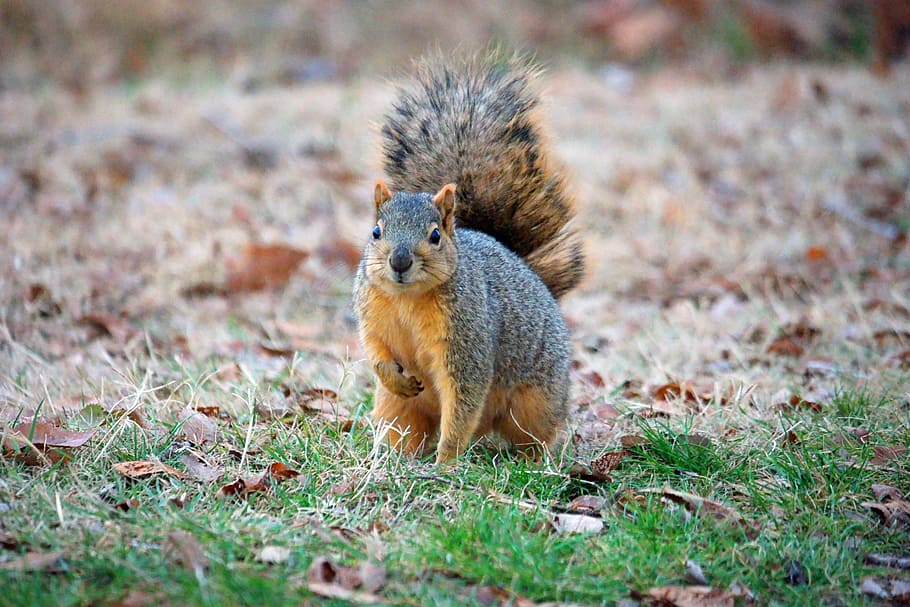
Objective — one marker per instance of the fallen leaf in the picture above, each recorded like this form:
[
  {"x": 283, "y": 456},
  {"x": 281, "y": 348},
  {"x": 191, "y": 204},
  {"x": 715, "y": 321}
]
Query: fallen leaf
[
  {"x": 795, "y": 402},
  {"x": 208, "y": 410},
  {"x": 566, "y": 523},
  {"x": 138, "y": 598},
  {"x": 897, "y": 592},
  {"x": 127, "y": 505},
  {"x": 330, "y": 580},
  {"x": 607, "y": 462},
  {"x": 695, "y": 574},
  {"x": 260, "y": 267},
  {"x": 196, "y": 427},
  {"x": 884, "y": 493},
  {"x": 48, "y": 562},
  {"x": 273, "y": 555},
  {"x": 276, "y": 471},
  {"x": 786, "y": 346},
  {"x": 699, "y": 505},
  {"x": 339, "y": 250},
  {"x": 43, "y": 434},
  {"x": 892, "y": 512},
  {"x": 184, "y": 549},
  {"x": 586, "y": 504},
  {"x": 200, "y": 468},
  {"x": 888, "y": 560},
  {"x": 884, "y": 454},
  {"x": 692, "y": 596},
  {"x": 143, "y": 468},
  {"x": 109, "y": 325}
]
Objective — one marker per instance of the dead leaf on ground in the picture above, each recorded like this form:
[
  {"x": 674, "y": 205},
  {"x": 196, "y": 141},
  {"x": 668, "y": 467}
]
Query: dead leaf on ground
[
  {"x": 143, "y": 468},
  {"x": 888, "y": 560},
  {"x": 109, "y": 325},
  {"x": 184, "y": 549},
  {"x": 899, "y": 359},
  {"x": 138, "y": 598},
  {"x": 262, "y": 266},
  {"x": 357, "y": 584},
  {"x": 49, "y": 562},
  {"x": 567, "y": 523},
  {"x": 274, "y": 472},
  {"x": 46, "y": 435},
  {"x": 273, "y": 555},
  {"x": 40, "y": 443},
  {"x": 197, "y": 427},
  {"x": 885, "y": 454},
  {"x": 605, "y": 463},
  {"x": 494, "y": 596},
  {"x": 691, "y": 596},
  {"x": 586, "y": 504},
  {"x": 339, "y": 250},
  {"x": 896, "y": 591},
  {"x": 200, "y": 468},
  {"x": 695, "y": 574},
  {"x": 891, "y": 512},
  {"x": 786, "y": 346},
  {"x": 795, "y": 402},
  {"x": 698, "y": 505}
]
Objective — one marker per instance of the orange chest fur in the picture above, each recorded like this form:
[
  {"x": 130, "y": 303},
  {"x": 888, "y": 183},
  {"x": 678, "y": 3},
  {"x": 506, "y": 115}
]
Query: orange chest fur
[{"x": 414, "y": 328}]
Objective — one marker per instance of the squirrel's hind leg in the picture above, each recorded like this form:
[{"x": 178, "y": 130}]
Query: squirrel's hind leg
[
  {"x": 410, "y": 428},
  {"x": 529, "y": 418}
]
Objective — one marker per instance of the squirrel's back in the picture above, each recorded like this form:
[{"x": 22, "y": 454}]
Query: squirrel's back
[{"x": 476, "y": 123}]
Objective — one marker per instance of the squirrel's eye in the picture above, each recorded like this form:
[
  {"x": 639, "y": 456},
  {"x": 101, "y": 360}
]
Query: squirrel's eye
[
  {"x": 435, "y": 236},
  {"x": 377, "y": 233}
]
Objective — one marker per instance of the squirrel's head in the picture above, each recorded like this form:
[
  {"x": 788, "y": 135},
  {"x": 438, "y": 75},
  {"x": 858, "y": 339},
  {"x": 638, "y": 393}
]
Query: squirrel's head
[{"x": 412, "y": 247}]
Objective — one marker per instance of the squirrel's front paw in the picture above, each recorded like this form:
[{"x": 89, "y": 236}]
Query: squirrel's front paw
[{"x": 392, "y": 376}]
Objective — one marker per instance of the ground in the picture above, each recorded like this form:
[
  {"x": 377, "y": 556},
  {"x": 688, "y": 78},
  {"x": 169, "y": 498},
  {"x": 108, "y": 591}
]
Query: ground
[{"x": 175, "y": 273}]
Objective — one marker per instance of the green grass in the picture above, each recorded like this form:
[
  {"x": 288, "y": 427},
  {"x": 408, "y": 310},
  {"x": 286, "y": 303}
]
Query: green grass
[{"x": 442, "y": 535}]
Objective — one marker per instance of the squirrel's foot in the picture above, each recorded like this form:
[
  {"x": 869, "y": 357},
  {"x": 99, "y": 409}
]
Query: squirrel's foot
[{"x": 392, "y": 376}]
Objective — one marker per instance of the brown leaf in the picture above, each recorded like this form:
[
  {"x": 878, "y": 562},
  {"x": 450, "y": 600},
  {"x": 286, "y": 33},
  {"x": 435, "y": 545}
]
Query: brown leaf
[
  {"x": 700, "y": 505},
  {"x": 137, "y": 598},
  {"x": 592, "y": 378},
  {"x": 795, "y": 402},
  {"x": 339, "y": 250},
  {"x": 208, "y": 410},
  {"x": 196, "y": 427},
  {"x": 897, "y": 592},
  {"x": 183, "y": 548},
  {"x": 888, "y": 560},
  {"x": 786, "y": 346},
  {"x": 45, "y": 435},
  {"x": 109, "y": 325},
  {"x": 330, "y": 580},
  {"x": 143, "y": 468},
  {"x": 127, "y": 505},
  {"x": 586, "y": 504},
  {"x": 262, "y": 266},
  {"x": 885, "y": 454},
  {"x": 607, "y": 462},
  {"x": 892, "y": 512},
  {"x": 884, "y": 493},
  {"x": 692, "y": 596},
  {"x": 200, "y": 468},
  {"x": 276, "y": 471},
  {"x": 34, "y": 561}
]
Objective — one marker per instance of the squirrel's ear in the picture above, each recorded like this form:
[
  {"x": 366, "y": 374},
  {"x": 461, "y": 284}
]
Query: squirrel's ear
[
  {"x": 445, "y": 202},
  {"x": 381, "y": 194}
]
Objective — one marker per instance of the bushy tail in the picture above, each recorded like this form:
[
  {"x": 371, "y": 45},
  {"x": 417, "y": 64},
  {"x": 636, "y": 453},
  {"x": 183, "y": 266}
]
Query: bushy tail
[{"x": 476, "y": 123}]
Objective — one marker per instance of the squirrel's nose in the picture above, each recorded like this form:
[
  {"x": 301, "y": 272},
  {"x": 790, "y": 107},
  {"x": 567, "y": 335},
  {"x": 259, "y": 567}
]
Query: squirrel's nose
[{"x": 401, "y": 260}]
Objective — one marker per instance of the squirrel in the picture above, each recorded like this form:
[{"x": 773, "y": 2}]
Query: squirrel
[{"x": 456, "y": 293}]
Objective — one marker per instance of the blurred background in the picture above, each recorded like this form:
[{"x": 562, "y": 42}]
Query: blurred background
[{"x": 267, "y": 42}]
